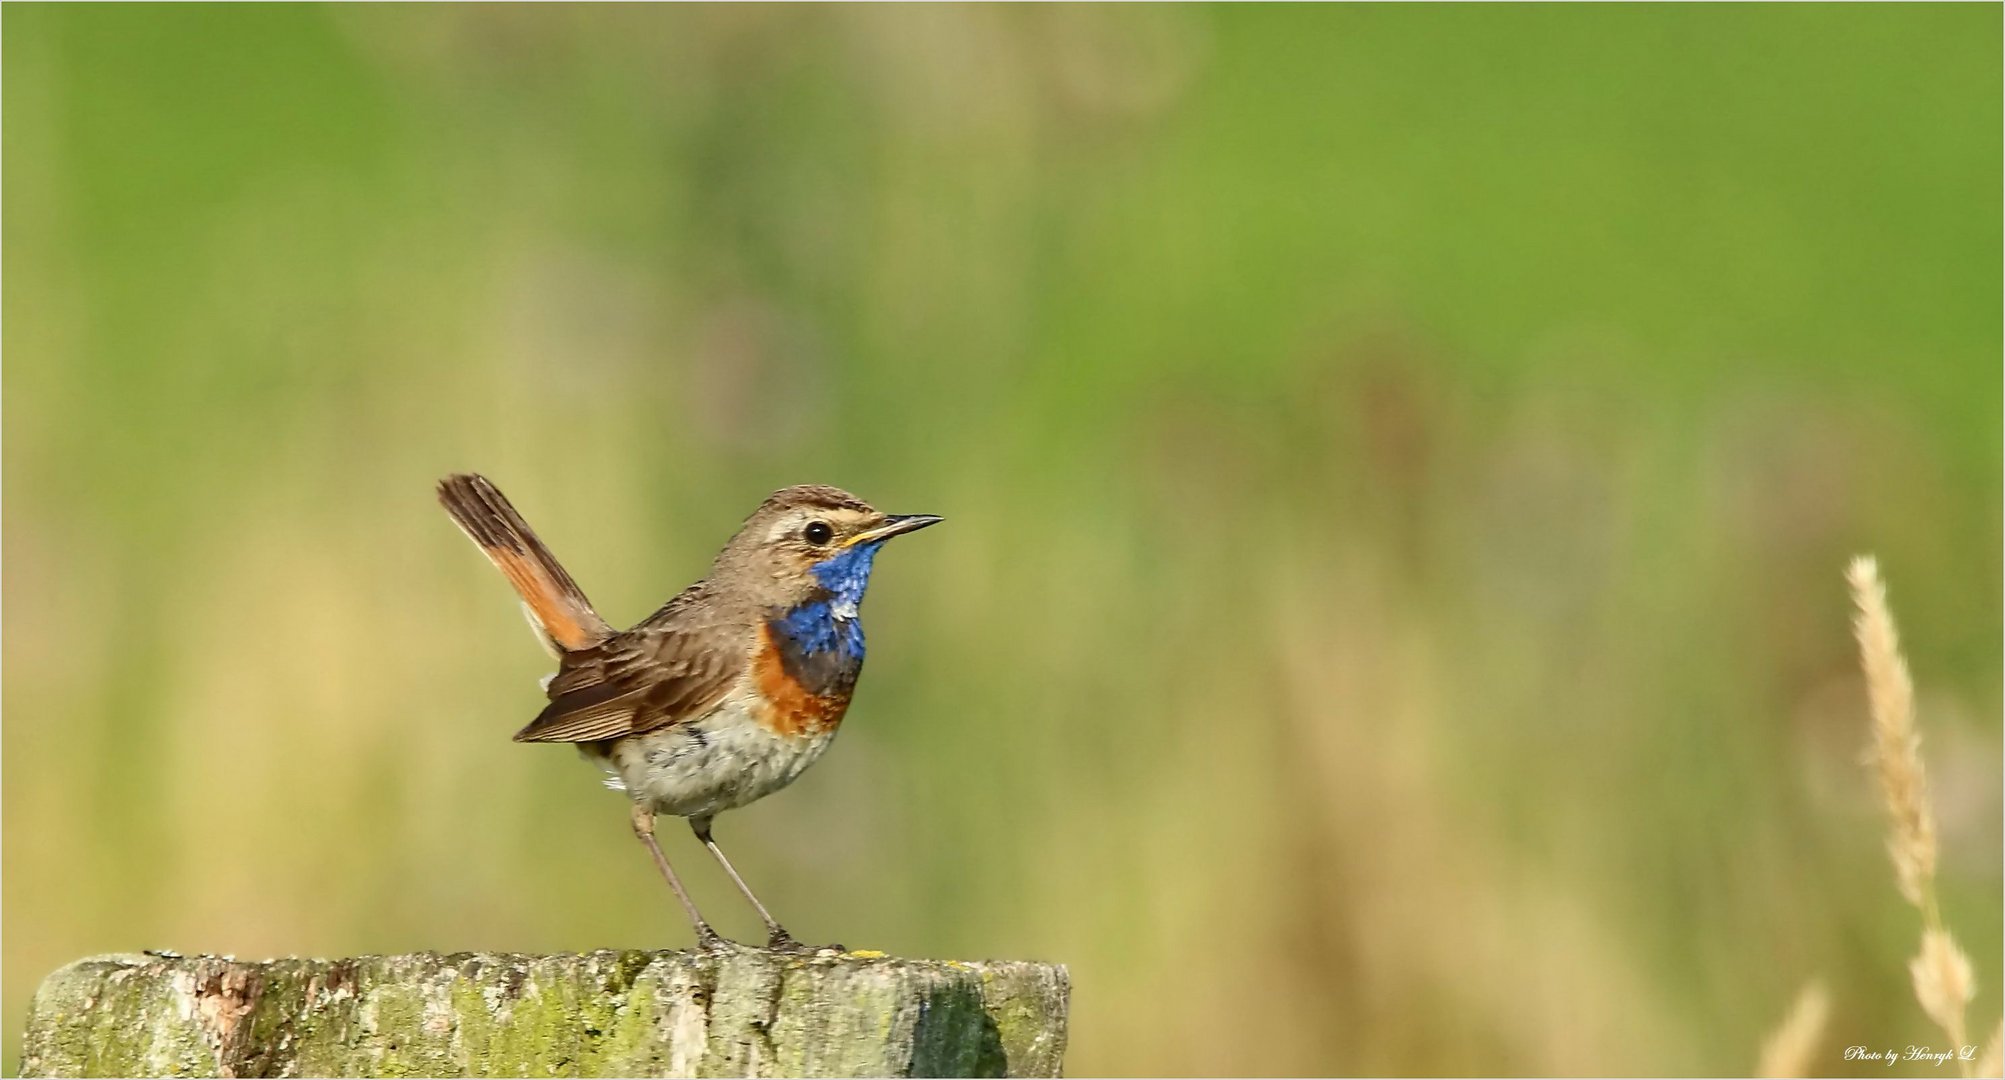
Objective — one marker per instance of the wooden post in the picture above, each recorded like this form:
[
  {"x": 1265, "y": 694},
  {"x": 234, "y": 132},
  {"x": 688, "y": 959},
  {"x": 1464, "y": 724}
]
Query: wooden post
[{"x": 628, "y": 1013}]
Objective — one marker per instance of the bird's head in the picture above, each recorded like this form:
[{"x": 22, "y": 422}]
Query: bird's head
[{"x": 812, "y": 543}]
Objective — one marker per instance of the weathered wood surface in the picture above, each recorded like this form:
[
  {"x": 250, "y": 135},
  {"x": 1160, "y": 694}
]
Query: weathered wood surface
[{"x": 629, "y": 1013}]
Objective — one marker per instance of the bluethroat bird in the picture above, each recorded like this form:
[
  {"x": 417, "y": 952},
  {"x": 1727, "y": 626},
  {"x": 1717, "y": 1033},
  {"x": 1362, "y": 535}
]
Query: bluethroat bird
[{"x": 726, "y": 694}]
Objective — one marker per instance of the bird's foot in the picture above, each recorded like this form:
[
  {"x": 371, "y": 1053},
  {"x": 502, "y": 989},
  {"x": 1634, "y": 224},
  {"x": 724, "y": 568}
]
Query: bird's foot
[
  {"x": 783, "y": 942},
  {"x": 711, "y": 941}
]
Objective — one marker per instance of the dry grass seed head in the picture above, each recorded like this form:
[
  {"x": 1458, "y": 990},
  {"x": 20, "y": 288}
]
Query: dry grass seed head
[
  {"x": 1943, "y": 982},
  {"x": 1791, "y": 1049},
  {"x": 1896, "y": 739},
  {"x": 1992, "y": 1061}
]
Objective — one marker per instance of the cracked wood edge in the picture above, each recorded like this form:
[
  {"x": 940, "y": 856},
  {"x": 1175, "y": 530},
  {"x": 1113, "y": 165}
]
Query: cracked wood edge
[{"x": 608, "y": 1013}]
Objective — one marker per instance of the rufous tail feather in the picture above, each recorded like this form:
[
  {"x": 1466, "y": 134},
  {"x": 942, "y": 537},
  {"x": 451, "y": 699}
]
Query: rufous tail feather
[{"x": 555, "y": 604}]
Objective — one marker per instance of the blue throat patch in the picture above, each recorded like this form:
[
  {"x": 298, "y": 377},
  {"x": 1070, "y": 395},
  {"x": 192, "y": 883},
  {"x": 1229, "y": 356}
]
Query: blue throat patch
[{"x": 830, "y": 624}]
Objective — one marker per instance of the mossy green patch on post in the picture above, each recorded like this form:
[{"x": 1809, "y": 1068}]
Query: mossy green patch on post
[
  {"x": 609, "y": 1013},
  {"x": 129, "y": 1023},
  {"x": 1020, "y": 998}
]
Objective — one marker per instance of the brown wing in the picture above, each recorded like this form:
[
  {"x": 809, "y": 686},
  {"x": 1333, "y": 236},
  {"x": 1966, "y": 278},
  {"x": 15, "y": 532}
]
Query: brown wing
[{"x": 663, "y": 672}]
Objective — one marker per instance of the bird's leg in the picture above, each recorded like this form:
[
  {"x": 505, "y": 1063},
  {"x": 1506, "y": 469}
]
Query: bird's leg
[
  {"x": 643, "y": 821},
  {"x": 777, "y": 938}
]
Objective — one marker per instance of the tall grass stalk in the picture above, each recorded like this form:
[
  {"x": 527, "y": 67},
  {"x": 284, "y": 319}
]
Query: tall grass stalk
[{"x": 1943, "y": 980}]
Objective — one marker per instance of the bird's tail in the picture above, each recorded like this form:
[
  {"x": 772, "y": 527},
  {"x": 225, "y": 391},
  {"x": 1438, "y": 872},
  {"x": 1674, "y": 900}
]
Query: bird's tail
[{"x": 554, "y": 602}]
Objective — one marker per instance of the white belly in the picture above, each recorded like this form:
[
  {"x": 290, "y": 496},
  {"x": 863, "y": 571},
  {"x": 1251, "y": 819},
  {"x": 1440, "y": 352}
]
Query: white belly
[{"x": 725, "y": 759}]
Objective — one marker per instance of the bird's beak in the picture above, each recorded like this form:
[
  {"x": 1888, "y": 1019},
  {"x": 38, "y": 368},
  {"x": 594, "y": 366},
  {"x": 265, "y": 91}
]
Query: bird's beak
[{"x": 893, "y": 525}]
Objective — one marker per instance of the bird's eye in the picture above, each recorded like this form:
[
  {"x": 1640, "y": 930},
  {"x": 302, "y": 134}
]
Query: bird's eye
[{"x": 818, "y": 533}]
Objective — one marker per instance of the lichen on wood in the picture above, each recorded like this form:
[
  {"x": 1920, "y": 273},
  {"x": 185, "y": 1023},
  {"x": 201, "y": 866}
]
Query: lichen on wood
[{"x": 608, "y": 1013}]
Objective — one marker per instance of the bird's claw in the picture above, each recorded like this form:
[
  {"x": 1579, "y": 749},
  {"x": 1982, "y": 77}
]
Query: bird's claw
[
  {"x": 711, "y": 941},
  {"x": 782, "y": 942}
]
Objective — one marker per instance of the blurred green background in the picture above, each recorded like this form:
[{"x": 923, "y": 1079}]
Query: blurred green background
[{"x": 1399, "y": 466}]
